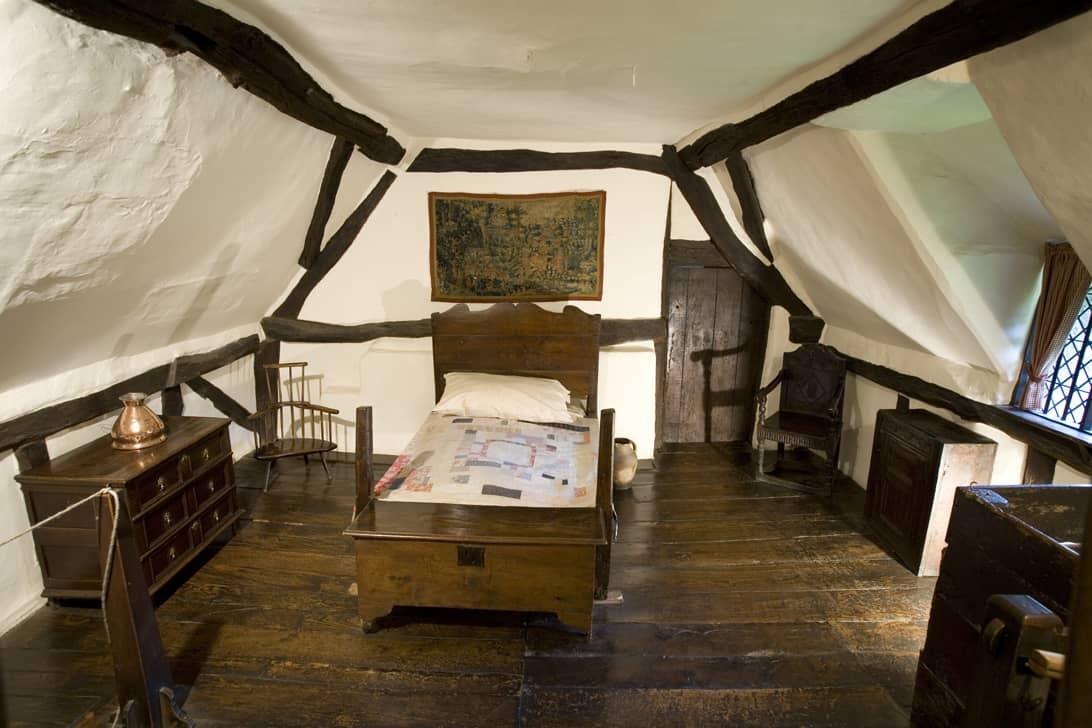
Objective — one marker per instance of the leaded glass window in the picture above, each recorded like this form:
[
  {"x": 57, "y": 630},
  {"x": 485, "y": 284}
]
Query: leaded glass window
[{"x": 1071, "y": 382}]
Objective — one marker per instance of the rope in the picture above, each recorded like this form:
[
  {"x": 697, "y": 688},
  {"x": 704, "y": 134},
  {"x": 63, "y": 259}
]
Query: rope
[
  {"x": 113, "y": 541},
  {"x": 115, "y": 508}
]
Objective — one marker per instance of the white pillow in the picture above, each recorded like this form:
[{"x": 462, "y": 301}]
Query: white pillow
[{"x": 473, "y": 394}]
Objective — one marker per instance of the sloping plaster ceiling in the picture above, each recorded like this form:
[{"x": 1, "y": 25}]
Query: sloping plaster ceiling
[
  {"x": 836, "y": 235},
  {"x": 148, "y": 194},
  {"x": 605, "y": 71},
  {"x": 913, "y": 225},
  {"x": 145, "y": 201},
  {"x": 1040, "y": 92}
]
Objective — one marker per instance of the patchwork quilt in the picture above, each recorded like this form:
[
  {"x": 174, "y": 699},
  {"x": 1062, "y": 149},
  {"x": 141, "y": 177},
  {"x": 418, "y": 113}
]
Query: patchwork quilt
[{"x": 500, "y": 462}]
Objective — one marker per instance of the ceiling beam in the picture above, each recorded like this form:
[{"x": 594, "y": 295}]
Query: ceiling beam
[
  {"x": 335, "y": 247},
  {"x": 530, "y": 160},
  {"x": 54, "y": 418},
  {"x": 1074, "y": 450},
  {"x": 963, "y": 29},
  {"x": 324, "y": 205},
  {"x": 744, "y": 185},
  {"x": 765, "y": 279},
  {"x": 611, "y": 333},
  {"x": 245, "y": 55},
  {"x": 222, "y": 401}
]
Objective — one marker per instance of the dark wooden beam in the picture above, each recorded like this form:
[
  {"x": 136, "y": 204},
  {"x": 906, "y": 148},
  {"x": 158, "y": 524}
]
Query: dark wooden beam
[
  {"x": 766, "y": 280},
  {"x": 171, "y": 401},
  {"x": 691, "y": 253},
  {"x": 363, "y": 460},
  {"x": 222, "y": 401},
  {"x": 529, "y": 160},
  {"x": 335, "y": 248},
  {"x": 246, "y": 56},
  {"x": 48, "y": 420},
  {"x": 612, "y": 331},
  {"x": 31, "y": 455},
  {"x": 620, "y": 331},
  {"x": 660, "y": 345},
  {"x": 744, "y": 185},
  {"x": 269, "y": 352},
  {"x": 805, "y": 329},
  {"x": 324, "y": 205},
  {"x": 316, "y": 332},
  {"x": 1038, "y": 467},
  {"x": 960, "y": 30},
  {"x": 1074, "y": 450}
]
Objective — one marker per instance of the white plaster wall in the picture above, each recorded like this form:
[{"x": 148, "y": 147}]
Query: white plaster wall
[
  {"x": 150, "y": 210},
  {"x": 142, "y": 196},
  {"x": 1040, "y": 93},
  {"x": 385, "y": 277},
  {"x": 1065, "y": 475}
]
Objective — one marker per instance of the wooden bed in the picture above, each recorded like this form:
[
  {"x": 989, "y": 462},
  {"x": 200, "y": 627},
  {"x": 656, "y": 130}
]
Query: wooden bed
[{"x": 489, "y": 557}]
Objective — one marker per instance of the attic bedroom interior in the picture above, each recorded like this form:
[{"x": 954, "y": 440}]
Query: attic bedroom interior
[{"x": 419, "y": 364}]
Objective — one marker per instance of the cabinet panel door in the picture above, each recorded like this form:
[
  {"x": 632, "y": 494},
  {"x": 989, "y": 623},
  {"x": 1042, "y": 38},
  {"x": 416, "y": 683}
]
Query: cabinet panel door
[{"x": 902, "y": 495}]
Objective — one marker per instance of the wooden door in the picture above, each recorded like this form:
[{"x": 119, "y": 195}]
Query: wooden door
[{"x": 716, "y": 331}]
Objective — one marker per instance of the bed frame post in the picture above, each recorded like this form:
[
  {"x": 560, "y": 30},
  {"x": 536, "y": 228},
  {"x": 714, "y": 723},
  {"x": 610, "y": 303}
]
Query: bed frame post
[
  {"x": 604, "y": 500},
  {"x": 363, "y": 459}
]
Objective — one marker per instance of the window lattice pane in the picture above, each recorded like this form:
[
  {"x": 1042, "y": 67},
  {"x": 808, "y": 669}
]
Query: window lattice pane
[{"x": 1072, "y": 377}]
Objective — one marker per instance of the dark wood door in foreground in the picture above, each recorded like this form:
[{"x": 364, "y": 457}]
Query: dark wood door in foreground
[
  {"x": 716, "y": 331},
  {"x": 745, "y": 605}
]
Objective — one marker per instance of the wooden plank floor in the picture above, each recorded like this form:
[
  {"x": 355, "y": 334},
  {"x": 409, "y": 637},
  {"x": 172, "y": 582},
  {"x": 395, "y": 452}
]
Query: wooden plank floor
[{"x": 744, "y": 605}]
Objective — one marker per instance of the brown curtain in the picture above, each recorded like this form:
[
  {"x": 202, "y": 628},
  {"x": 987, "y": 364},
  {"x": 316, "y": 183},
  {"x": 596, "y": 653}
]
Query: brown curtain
[{"x": 1065, "y": 283}]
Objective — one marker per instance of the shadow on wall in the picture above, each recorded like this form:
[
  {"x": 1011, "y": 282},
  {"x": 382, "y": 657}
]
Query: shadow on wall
[{"x": 721, "y": 397}]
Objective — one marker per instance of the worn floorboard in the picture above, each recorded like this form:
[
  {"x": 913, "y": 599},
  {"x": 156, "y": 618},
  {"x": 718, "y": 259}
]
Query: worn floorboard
[{"x": 744, "y": 605}]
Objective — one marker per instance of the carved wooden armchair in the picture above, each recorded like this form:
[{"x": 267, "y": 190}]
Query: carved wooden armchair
[
  {"x": 812, "y": 381},
  {"x": 292, "y": 426}
]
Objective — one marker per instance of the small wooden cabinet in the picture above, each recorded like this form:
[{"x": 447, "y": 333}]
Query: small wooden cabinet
[
  {"x": 918, "y": 460},
  {"x": 180, "y": 494}
]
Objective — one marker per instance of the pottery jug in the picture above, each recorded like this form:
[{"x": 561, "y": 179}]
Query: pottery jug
[
  {"x": 137, "y": 426},
  {"x": 625, "y": 462}
]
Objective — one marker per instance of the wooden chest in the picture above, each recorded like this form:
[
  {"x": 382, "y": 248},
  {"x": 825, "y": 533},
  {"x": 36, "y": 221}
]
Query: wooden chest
[
  {"x": 918, "y": 460},
  {"x": 180, "y": 494},
  {"x": 1002, "y": 540}
]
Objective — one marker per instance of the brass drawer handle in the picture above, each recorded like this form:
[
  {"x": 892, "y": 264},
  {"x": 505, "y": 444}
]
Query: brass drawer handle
[
  {"x": 161, "y": 482},
  {"x": 166, "y": 518},
  {"x": 216, "y": 516},
  {"x": 205, "y": 454},
  {"x": 212, "y": 486},
  {"x": 172, "y": 553},
  {"x": 194, "y": 526}
]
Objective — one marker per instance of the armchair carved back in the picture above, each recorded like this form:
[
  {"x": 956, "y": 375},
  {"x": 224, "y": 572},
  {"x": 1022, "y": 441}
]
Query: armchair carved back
[{"x": 814, "y": 382}]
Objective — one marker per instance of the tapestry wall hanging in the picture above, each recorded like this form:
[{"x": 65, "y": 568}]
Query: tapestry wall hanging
[{"x": 546, "y": 247}]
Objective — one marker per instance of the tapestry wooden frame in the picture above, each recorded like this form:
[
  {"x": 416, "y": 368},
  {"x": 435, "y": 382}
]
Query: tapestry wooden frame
[{"x": 523, "y": 276}]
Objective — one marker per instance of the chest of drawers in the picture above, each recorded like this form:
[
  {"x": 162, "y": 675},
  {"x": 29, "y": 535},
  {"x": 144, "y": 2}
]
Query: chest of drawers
[{"x": 180, "y": 494}]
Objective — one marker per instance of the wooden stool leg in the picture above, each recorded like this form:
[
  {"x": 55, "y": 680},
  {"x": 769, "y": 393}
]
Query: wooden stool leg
[{"x": 268, "y": 474}]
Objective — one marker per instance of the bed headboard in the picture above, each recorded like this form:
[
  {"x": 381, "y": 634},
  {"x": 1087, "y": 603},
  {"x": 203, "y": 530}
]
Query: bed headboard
[{"x": 522, "y": 339}]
